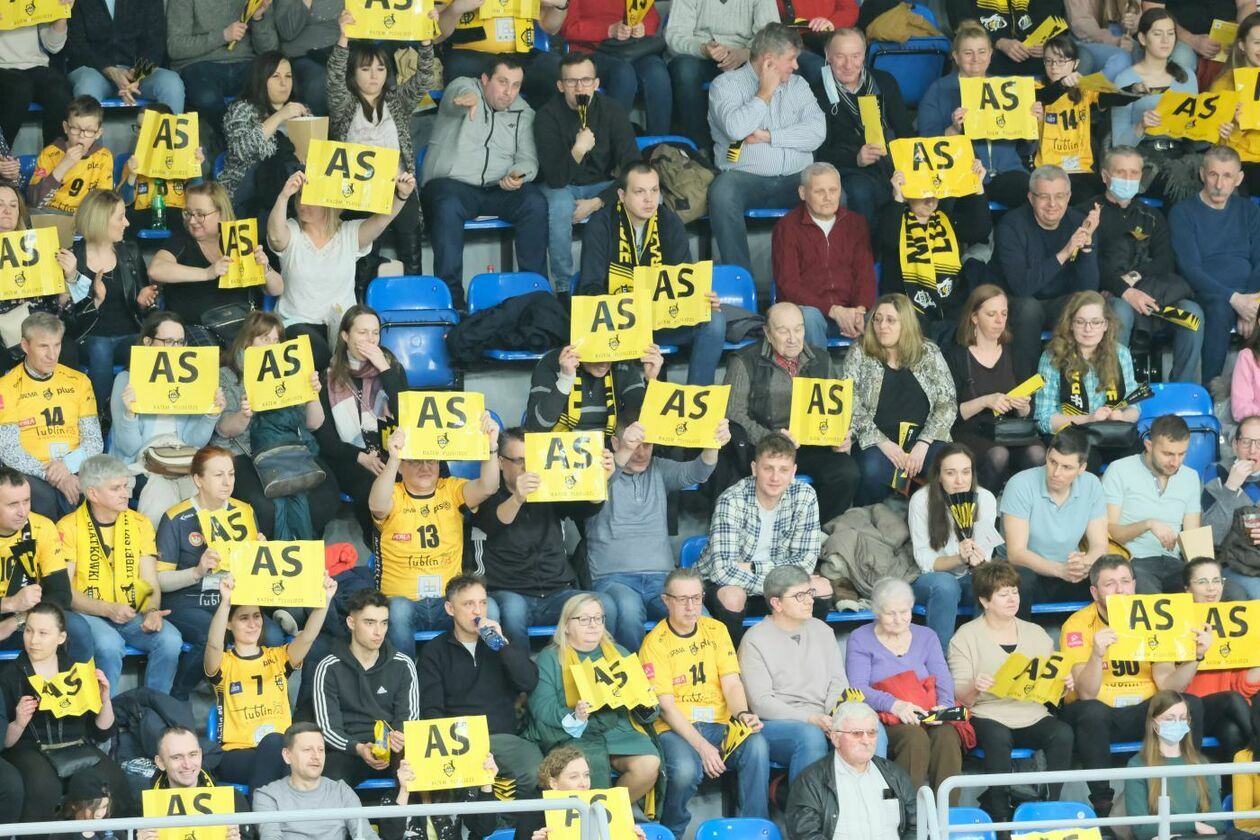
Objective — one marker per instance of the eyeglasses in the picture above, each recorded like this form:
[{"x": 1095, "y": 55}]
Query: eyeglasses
[
  {"x": 584, "y": 81},
  {"x": 197, "y": 215},
  {"x": 1248, "y": 443},
  {"x": 1091, "y": 324},
  {"x": 693, "y": 600},
  {"x": 520, "y": 462},
  {"x": 168, "y": 342},
  {"x": 1057, "y": 62},
  {"x": 82, "y": 132},
  {"x": 589, "y": 620},
  {"x": 860, "y": 733},
  {"x": 804, "y": 597},
  {"x": 1216, "y": 581}
]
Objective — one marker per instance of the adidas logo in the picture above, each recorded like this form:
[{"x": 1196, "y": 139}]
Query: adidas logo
[{"x": 381, "y": 690}]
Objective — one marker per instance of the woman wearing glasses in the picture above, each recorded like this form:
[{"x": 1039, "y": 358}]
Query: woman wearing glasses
[
  {"x": 618, "y": 739},
  {"x": 190, "y": 264}
]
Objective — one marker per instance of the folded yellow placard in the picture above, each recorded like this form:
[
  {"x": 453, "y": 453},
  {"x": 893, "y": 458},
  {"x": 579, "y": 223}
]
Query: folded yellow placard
[{"x": 1049, "y": 27}]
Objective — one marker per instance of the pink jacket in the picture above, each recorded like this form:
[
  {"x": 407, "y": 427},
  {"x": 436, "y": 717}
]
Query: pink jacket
[{"x": 1244, "y": 390}]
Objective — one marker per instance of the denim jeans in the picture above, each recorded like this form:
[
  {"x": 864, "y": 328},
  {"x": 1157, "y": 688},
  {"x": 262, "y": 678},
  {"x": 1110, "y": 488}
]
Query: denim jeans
[
  {"x": 102, "y": 352},
  {"x": 795, "y": 744},
  {"x": 310, "y": 86},
  {"x": 163, "y": 85},
  {"x": 517, "y": 612},
  {"x": 1095, "y": 56},
  {"x": 688, "y": 75},
  {"x": 110, "y": 641},
  {"x": 684, "y": 772},
  {"x": 865, "y": 191},
  {"x": 1187, "y": 344},
  {"x": 733, "y": 192},
  {"x": 623, "y": 79},
  {"x": 942, "y": 593},
  {"x": 706, "y": 340},
  {"x": 560, "y": 205},
  {"x": 207, "y": 82},
  {"x": 877, "y": 473},
  {"x": 1247, "y": 583},
  {"x": 818, "y": 327},
  {"x": 638, "y": 599},
  {"x": 406, "y": 616}
]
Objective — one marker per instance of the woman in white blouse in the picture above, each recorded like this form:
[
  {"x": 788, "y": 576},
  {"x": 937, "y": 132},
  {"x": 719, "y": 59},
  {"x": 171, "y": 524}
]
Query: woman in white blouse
[{"x": 953, "y": 529}]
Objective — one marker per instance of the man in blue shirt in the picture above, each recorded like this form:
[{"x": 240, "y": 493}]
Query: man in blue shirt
[{"x": 1046, "y": 511}]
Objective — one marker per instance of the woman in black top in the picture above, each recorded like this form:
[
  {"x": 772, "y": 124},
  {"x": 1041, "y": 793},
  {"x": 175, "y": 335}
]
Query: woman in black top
[
  {"x": 985, "y": 371},
  {"x": 189, "y": 266},
  {"x": 31, "y": 731},
  {"x": 108, "y": 320},
  {"x": 360, "y": 402}
]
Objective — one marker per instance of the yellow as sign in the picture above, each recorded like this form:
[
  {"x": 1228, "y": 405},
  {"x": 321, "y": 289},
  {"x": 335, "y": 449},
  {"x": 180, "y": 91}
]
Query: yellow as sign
[
  {"x": 567, "y": 825},
  {"x": 447, "y": 753},
  {"x": 238, "y": 241},
  {"x": 617, "y": 683},
  {"x": 185, "y": 802},
  {"x": 279, "y": 375},
  {"x": 28, "y": 264},
  {"x": 348, "y": 176},
  {"x": 443, "y": 425},
  {"x": 822, "y": 410},
  {"x": 1194, "y": 117},
  {"x": 609, "y": 328},
  {"x": 999, "y": 108},
  {"x": 1151, "y": 628},
  {"x": 683, "y": 415},
  {"x": 15, "y": 15},
  {"x": 935, "y": 167},
  {"x": 226, "y": 525},
  {"x": 569, "y": 464},
  {"x": 73, "y": 692},
  {"x": 174, "y": 380},
  {"x": 392, "y": 20},
  {"x": 519, "y": 9},
  {"x": 680, "y": 293},
  {"x": 1232, "y": 645},
  {"x": 167, "y": 146},
  {"x": 637, "y": 10},
  {"x": 1247, "y": 87},
  {"x": 277, "y": 574},
  {"x": 1039, "y": 679}
]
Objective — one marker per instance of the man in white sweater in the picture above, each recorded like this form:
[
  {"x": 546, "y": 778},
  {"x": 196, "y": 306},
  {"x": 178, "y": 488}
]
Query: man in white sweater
[{"x": 793, "y": 671}]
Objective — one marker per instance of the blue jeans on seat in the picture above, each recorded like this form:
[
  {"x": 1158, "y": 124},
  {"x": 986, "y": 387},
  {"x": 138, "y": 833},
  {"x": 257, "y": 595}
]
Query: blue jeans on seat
[
  {"x": 102, "y": 352},
  {"x": 1247, "y": 583},
  {"x": 1187, "y": 344},
  {"x": 877, "y": 473},
  {"x": 942, "y": 593},
  {"x": 733, "y": 192},
  {"x": 560, "y": 205},
  {"x": 207, "y": 82},
  {"x": 684, "y": 772},
  {"x": 688, "y": 74},
  {"x": 110, "y": 641},
  {"x": 163, "y": 85},
  {"x": 637, "y": 597},
  {"x": 866, "y": 191},
  {"x": 1218, "y": 319},
  {"x": 623, "y": 79},
  {"x": 449, "y": 203},
  {"x": 706, "y": 340},
  {"x": 818, "y": 327},
  {"x": 406, "y": 616},
  {"x": 310, "y": 86},
  {"x": 795, "y": 744},
  {"x": 517, "y": 612}
]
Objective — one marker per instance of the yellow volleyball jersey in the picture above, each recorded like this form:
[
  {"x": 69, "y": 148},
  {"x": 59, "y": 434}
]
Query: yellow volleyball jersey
[
  {"x": 1065, "y": 134},
  {"x": 253, "y": 696},
  {"x": 690, "y": 668},
  {"x": 1123, "y": 683},
  {"x": 494, "y": 35},
  {"x": 95, "y": 171},
  {"x": 46, "y": 412},
  {"x": 172, "y": 190},
  {"x": 36, "y": 561},
  {"x": 422, "y": 541}
]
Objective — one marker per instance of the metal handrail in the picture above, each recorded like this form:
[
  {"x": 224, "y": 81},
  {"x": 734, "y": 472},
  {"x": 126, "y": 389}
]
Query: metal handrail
[
  {"x": 594, "y": 824},
  {"x": 933, "y": 808}
]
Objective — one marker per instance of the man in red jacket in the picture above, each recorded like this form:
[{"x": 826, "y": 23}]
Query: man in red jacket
[{"x": 822, "y": 259}]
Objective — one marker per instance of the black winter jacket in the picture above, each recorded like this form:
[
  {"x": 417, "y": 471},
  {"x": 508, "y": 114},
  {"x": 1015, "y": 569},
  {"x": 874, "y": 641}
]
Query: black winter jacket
[
  {"x": 599, "y": 244},
  {"x": 454, "y": 683},
  {"x": 536, "y": 322},
  {"x": 845, "y": 135},
  {"x": 136, "y": 30},
  {"x": 812, "y": 808}
]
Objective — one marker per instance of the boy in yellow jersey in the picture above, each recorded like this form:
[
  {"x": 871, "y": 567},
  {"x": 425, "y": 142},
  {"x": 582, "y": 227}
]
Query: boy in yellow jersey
[
  {"x": 48, "y": 419},
  {"x": 71, "y": 167},
  {"x": 111, "y": 557},
  {"x": 1110, "y": 697},
  {"x": 693, "y": 667},
  {"x": 420, "y": 535},
  {"x": 475, "y": 38}
]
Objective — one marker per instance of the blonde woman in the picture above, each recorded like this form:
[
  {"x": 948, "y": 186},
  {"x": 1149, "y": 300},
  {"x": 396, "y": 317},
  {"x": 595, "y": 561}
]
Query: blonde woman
[
  {"x": 904, "y": 402},
  {"x": 610, "y": 738}
]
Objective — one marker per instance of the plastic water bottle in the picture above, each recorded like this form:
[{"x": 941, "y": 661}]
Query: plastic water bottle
[
  {"x": 157, "y": 208},
  {"x": 489, "y": 635}
]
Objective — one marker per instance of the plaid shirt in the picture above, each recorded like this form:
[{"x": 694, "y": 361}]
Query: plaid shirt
[{"x": 734, "y": 528}]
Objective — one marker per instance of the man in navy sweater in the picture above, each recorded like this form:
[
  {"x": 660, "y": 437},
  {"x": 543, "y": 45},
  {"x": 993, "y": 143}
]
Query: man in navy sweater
[{"x": 1216, "y": 237}]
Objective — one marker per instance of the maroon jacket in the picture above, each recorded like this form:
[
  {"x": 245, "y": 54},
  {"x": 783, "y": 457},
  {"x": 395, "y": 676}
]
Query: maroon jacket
[{"x": 824, "y": 271}]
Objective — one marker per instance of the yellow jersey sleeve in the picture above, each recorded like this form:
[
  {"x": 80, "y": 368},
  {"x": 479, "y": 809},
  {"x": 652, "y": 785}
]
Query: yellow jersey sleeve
[
  {"x": 148, "y": 538},
  {"x": 253, "y": 696},
  {"x": 69, "y": 540},
  {"x": 49, "y": 552}
]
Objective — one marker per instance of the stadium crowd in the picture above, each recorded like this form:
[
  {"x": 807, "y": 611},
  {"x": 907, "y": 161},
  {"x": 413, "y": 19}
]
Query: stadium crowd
[{"x": 957, "y": 494}]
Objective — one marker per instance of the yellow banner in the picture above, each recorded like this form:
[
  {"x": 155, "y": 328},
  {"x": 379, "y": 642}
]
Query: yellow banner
[
  {"x": 28, "y": 264},
  {"x": 443, "y": 425},
  {"x": 1224, "y": 33},
  {"x": 637, "y": 10},
  {"x": 392, "y": 20},
  {"x": 872, "y": 122},
  {"x": 167, "y": 146},
  {"x": 821, "y": 411},
  {"x": 15, "y": 15},
  {"x": 609, "y": 328},
  {"x": 522, "y": 9},
  {"x": 183, "y": 802},
  {"x": 935, "y": 167},
  {"x": 174, "y": 380},
  {"x": 277, "y": 574},
  {"x": 567, "y": 825},
  {"x": 683, "y": 415},
  {"x": 1194, "y": 117},
  {"x": 238, "y": 241},
  {"x": 613, "y": 683},
  {"x": 1049, "y": 27},
  {"x": 1247, "y": 87},
  {"x": 448, "y": 753},
  {"x": 999, "y": 108},
  {"x": 737, "y": 733},
  {"x": 279, "y": 375},
  {"x": 1097, "y": 82},
  {"x": 1151, "y": 628},
  {"x": 1028, "y": 387},
  {"x": 680, "y": 293},
  {"x": 73, "y": 692},
  {"x": 1063, "y": 834},
  {"x": 570, "y": 465},
  {"x": 1038, "y": 679},
  {"x": 1231, "y": 622},
  {"x": 347, "y": 176},
  {"x": 220, "y": 528}
]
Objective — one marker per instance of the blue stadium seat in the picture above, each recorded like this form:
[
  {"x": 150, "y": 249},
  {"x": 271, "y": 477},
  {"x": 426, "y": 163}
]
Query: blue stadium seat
[
  {"x": 652, "y": 139},
  {"x": 969, "y": 816},
  {"x": 416, "y": 314},
  {"x": 740, "y": 828},
  {"x": 1181, "y": 398},
  {"x": 1193, "y": 404},
  {"x": 407, "y": 292},
  {"x": 691, "y": 550},
  {"x": 916, "y": 63},
  {"x": 1030, "y": 811},
  {"x": 219, "y": 163},
  {"x": 652, "y": 831},
  {"x": 487, "y": 290},
  {"x": 542, "y": 38},
  {"x": 502, "y": 834},
  {"x": 735, "y": 287}
]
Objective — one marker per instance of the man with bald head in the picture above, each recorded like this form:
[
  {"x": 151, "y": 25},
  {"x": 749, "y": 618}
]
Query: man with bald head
[{"x": 761, "y": 376}]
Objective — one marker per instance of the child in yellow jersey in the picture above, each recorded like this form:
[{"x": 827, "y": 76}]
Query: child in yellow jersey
[
  {"x": 420, "y": 535},
  {"x": 1067, "y": 117},
  {"x": 139, "y": 190},
  {"x": 251, "y": 686},
  {"x": 69, "y": 168}
]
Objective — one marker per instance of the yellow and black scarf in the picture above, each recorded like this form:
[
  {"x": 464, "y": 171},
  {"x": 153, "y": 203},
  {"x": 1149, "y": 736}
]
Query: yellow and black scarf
[
  {"x": 19, "y": 567},
  {"x": 1074, "y": 402},
  {"x": 930, "y": 261},
  {"x": 631, "y": 252},
  {"x": 573, "y": 411},
  {"x": 113, "y": 573}
]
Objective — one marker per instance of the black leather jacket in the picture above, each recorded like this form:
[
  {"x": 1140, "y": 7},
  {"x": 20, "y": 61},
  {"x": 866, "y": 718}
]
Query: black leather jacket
[{"x": 813, "y": 809}]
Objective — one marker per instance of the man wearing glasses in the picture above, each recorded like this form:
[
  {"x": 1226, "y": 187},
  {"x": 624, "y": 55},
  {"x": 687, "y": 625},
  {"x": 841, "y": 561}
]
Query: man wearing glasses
[
  {"x": 1236, "y": 487},
  {"x": 1044, "y": 252},
  {"x": 876, "y": 795},
  {"x": 584, "y": 139},
  {"x": 71, "y": 167},
  {"x": 693, "y": 668}
]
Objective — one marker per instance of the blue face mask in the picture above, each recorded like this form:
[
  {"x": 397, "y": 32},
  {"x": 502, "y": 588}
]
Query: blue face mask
[
  {"x": 1172, "y": 731},
  {"x": 1124, "y": 188}
]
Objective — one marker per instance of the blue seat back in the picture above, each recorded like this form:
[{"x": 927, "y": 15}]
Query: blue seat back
[
  {"x": 542, "y": 38},
  {"x": 691, "y": 550},
  {"x": 656, "y": 831},
  {"x": 1029, "y": 811},
  {"x": 26, "y": 163},
  {"x": 1184, "y": 399},
  {"x": 487, "y": 290},
  {"x": 219, "y": 163},
  {"x": 421, "y": 350},
  {"x": 652, "y": 139},
  {"x": 120, "y": 166},
  {"x": 740, "y": 828},
  {"x": 502, "y": 834},
  {"x": 212, "y": 723},
  {"x": 412, "y": 292},
  {"x": 735, "y": 286},
  {"x": 915, "y": 64},
  {"x": 967, "y": 816},
  {"x": 1194, "y": 404}
]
